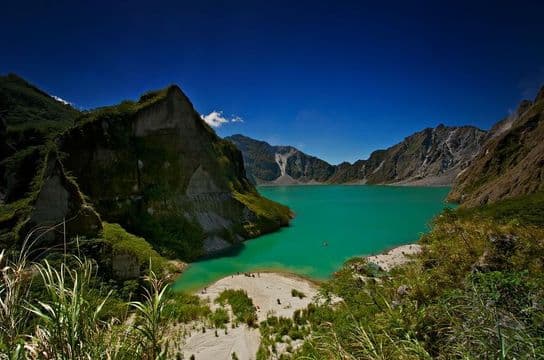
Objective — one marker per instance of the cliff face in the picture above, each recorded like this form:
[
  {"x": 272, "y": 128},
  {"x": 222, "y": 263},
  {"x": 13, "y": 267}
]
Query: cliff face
[
  {"x": 511, "y": 162},
  {"x": 152, "y": 166},
  {"x": 429, "y": 157},
  {"x": 155, "y": 167}
]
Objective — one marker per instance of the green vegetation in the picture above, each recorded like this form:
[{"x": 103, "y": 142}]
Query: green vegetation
[
  {"x": 31, "y": 115},
  {"x": 219, "y": 318},
  {"x": 296, "y": 293},
  {"x": 474, "y": 292},
  {"x": 270, "y": 214},
  {"x": 527, "y": 210},
  {"x": 56, "y": 311},
  {"x": 173, "y": 235},
  {"x": 123, "y": 242},
  {"x": 185, "y": 308},
  {"x": 242, "y": 306},
  {"x": 277, "y": 330}
]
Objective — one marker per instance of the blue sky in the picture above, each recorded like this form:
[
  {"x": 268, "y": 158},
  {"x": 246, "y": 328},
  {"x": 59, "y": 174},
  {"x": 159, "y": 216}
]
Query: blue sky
[{"x": 338, "y": 79}]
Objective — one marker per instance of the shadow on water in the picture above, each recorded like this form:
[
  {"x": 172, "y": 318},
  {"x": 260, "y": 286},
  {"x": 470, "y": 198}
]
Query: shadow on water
[{"x": 232, "y": 251}]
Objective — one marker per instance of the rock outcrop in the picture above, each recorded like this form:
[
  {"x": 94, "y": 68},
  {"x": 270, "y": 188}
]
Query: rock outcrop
[
  {"x": 511, "y": 162},
  {"x": 157, "y": 169}
]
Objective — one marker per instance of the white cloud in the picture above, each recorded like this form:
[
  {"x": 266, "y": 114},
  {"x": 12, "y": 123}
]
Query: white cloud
[
  {"x": 61, "y": 100},
  {"x": 216, "y": 119}
]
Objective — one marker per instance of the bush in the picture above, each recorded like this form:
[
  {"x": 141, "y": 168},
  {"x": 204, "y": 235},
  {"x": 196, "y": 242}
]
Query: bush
[
  {"x": 296, "y": 293},
  {"x": 242, "y": 306},
  {"x": 184, "y": 308},
  {"x": 219, "y": 318}
]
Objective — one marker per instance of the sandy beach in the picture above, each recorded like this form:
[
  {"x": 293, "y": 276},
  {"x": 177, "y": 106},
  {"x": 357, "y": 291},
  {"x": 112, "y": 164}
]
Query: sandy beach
[
  {"x": 265, "y": 289},
  {"x": 271, "y": 295},
  {"x": 394, "y": 257}
]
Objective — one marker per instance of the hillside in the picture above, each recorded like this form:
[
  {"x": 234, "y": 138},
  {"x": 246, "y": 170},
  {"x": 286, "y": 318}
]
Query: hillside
[
  {"x": 152, "y": 166},
  {"x": 28, "y": 114},
  {"x": 511, "y": 162},
  {"x": 433, "y": 156}
]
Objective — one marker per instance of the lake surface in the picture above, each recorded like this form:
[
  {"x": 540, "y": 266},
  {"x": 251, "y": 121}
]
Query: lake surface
[{"x": 351, "y": 220}]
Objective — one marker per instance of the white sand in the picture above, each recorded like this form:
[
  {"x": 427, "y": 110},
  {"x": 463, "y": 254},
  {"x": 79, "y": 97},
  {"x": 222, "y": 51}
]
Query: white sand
[
  {"x": 264, "y": 289},
  {"x": 206, "y": 346},
  {"x": 395, "y": 257}
]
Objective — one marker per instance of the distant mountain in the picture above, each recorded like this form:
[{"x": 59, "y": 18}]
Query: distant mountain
[
  {"x": 511, "y": 162},
  {"x": 267, "y": 164},
  {"x": 433, "y": 156}
]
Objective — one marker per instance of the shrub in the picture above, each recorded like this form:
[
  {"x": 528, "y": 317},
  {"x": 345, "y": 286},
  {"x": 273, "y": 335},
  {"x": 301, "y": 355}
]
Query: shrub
[
  {"x": 219, "y": 318},
  {"x": 296, "y": 293},
  {"x": 242, "y": 306}
]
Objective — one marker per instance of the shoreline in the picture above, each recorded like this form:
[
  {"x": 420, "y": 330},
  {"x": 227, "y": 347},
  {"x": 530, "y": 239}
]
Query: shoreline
[
  {"x": 388, "y": 258},
  {"x": 400, "y": 185},
  {"x": 271, "y": 292}
]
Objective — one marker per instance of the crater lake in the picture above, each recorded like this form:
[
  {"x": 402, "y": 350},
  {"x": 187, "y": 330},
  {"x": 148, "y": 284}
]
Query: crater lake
[{"x": 332, "y": 224}]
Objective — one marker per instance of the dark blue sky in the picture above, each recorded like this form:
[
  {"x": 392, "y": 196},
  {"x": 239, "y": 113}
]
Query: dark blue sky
[{"x": 338, "y": 79}]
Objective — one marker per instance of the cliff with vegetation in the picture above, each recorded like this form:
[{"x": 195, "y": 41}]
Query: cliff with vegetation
[
  {"x": 433, "y": 156},
  {"x": 151, "y": 165},
  {"x": 511, "y": 162}
]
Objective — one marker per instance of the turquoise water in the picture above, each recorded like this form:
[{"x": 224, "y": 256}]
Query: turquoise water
[{"x": 353, "y": 220}]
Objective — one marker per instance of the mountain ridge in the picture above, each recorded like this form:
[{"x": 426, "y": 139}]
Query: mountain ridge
[
  {"x": 446, "y": 151},
  {"x": 511, "y": 162}
]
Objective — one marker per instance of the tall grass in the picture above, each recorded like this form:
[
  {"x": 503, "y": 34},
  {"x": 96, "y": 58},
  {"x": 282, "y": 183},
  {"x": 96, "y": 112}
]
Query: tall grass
[
  {"x": 59, "y": 318},
  {"x": 68, "y": 325},
  {"x": 13, "y": 316},
  {"x": 150, "y": 317}
]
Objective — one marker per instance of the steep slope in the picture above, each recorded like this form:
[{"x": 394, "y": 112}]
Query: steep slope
[
  {"x": 279, "y": 164},
  {"x": 28, "y": 118},
  {"x": 429, "y": 157},
  {"x": 29, "y": 114},
  {"x": 433, "y": 156},
  {"x": 511, "y": 162},
  {"x": 156, "y": 168},
  {"x": 153, "y": 166}
]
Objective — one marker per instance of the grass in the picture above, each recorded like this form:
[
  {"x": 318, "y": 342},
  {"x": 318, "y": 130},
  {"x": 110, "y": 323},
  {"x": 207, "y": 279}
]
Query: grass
[
  {"x": 62, "y": 319},
  {"x": 474, "y": 292},
  {"x": 241, "y": 305},
  {"x": 219, "y": 318},
  {"x": 296, "y": 293},
  {"x": 270, "y": 214},
  {"x": 527, "y": 210},
  {"x": 123, "y": 242}
]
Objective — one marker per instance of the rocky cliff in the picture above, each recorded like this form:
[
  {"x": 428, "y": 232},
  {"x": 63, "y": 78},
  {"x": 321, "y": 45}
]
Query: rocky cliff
[
  {"x": 433, "y": 156},
  {"x": 157, "y": 168},
  {"x": 151, "y": 165},
  {"x": 511, "y": 162}
]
